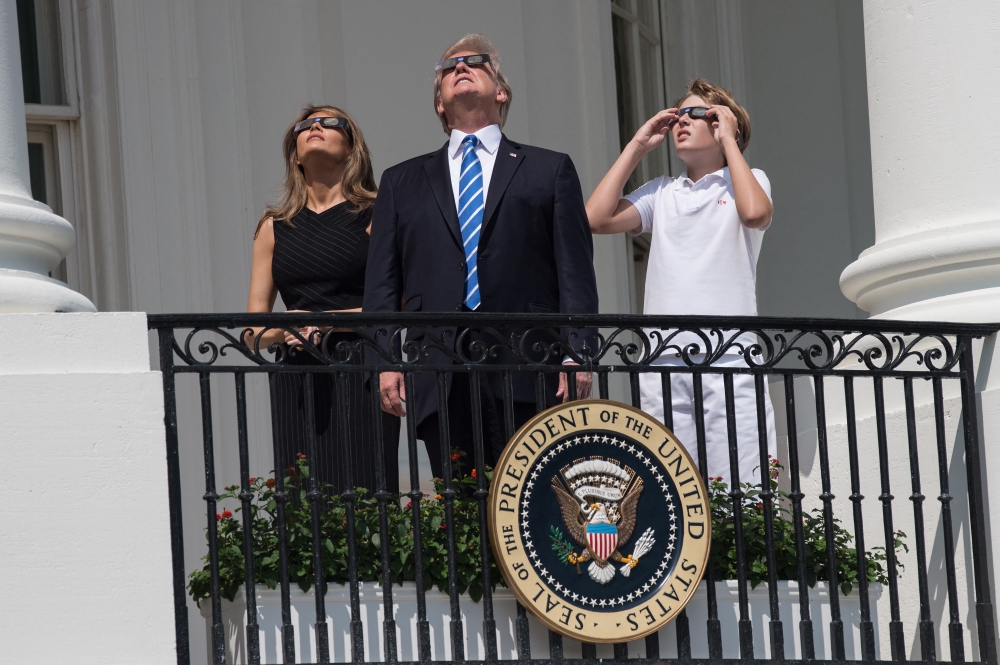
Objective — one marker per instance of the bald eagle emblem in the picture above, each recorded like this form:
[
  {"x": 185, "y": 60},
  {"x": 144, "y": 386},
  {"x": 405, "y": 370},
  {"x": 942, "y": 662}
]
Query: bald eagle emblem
[{"x": 598, "y": 499}]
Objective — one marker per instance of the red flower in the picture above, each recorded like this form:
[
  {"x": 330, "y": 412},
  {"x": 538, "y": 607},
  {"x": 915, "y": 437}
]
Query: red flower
[
  {"x": 456, "y": 457},
  {"x": 218, "y": 516},
  {"x": 252, "y": 480},
  {"x": 225, "y": 515},
  {"x": 408, "y": 506},
  {"x": 270, "y": 483},
  {"x": 473, "y": 474},
  {"x": 301, "y": 455},
  {"x": 442, "y": 526}
]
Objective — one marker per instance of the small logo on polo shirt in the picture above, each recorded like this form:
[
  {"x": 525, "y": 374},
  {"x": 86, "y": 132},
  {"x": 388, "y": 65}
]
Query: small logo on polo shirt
[{"x": 721, "y": 202}]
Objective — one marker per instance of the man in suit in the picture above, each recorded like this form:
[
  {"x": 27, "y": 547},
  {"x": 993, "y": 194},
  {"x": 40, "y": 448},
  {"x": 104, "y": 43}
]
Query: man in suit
[{"x": 482, "y": 225}]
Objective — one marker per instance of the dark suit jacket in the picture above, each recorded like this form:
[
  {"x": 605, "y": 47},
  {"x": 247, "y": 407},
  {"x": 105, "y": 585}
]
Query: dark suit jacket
[{"x": 536, "y": 252}]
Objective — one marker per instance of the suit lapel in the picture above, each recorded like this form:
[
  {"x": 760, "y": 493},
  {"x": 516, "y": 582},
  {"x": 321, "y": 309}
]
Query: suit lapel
[
  {"x": 439, "y": 176},
  {"x": 509, "y": 158}
]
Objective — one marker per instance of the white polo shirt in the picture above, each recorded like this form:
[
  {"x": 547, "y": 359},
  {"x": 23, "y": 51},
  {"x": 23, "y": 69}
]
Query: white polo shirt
[{"x": 702, "y": 260}]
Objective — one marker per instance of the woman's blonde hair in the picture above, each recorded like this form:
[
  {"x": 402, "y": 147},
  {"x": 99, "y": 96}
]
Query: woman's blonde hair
[
  {"x": 479, "y": 44},
  {"x": 716, "y": 94},
  {"x": 357, "y": 185}
]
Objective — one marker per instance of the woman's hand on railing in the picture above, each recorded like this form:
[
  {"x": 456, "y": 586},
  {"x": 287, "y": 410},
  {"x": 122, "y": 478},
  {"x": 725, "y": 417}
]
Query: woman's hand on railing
[
  {"x": 261, "y": 338},
  {"x": 310, "y": 333}
]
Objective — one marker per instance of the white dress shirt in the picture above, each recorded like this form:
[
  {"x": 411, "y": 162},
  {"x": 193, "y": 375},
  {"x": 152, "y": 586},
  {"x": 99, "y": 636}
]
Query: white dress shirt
[{"x": 489, "y": 141}]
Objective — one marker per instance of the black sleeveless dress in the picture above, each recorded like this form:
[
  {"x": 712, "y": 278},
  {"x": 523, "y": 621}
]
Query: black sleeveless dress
[{"x": 319, "y": 265}]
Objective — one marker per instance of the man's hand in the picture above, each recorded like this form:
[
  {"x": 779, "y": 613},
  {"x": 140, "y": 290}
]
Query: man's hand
[
  {"x": 724, "y": 125},
  {"x": 655, "y": 130},
  {"x": 584, "y": 384},
  {"x": 392, "y": 390}
]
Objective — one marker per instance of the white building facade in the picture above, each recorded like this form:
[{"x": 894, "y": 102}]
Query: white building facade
[
  {"x": 159, "y": 135},
  {"x": 153, "y": 128}
]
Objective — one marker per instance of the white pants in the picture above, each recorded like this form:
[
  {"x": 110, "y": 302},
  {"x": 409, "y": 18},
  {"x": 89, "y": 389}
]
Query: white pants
[{"x": 716, "y": 428}]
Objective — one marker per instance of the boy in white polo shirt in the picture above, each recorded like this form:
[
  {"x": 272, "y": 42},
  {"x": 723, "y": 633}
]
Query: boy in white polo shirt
[{"x": 707, "y": 226}]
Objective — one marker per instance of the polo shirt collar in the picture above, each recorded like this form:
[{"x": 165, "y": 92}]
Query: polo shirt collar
[
  {"x": 721, "y": 174},
  {"x": 489, "y": 137}
]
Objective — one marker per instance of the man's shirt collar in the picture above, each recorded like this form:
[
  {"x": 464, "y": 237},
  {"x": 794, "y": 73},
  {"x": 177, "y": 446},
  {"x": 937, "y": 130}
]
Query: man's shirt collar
[{"x": 489, "y": 137}]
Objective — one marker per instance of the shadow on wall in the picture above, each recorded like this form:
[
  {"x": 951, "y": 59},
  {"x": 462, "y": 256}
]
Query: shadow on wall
[
  {"x": 896, "y": 470},
  {"x": 771, "y": 53}
]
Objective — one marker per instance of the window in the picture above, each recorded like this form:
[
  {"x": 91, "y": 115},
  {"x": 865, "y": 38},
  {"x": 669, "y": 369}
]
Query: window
[
  {"x": 41, "y": 52},
  {"x": 43, "y": 171},
  {"x": 42, "y": 166},
  {"x": 637, "y": 30},
  {"x": 45, "y": 32}
]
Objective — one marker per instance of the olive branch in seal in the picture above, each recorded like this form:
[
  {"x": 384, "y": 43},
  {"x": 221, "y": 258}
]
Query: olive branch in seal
[{"x": 562, "y": 547}]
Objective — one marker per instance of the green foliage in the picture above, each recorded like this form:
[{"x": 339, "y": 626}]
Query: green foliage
[
  {"x": 333, "y": 538},
  {"x": 785, "y": 553}
]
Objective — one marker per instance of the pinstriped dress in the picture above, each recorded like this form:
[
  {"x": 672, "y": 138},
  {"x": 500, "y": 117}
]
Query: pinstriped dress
[{"x": 318, "y": 265}]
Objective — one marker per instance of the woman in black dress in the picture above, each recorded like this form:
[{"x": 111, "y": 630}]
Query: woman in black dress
[{"x": 312, "y": 248}]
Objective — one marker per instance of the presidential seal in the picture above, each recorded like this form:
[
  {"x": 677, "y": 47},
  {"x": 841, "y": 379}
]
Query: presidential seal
[{"x": 599, "y": 521}]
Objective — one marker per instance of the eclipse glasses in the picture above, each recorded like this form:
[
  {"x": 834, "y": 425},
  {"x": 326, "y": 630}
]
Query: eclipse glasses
[
  {"x": 329, "y": 123},
  {"x": 700, "y": 112},
  {"x": 451, "y": 63},
  {"x": 693, "y": 111}
]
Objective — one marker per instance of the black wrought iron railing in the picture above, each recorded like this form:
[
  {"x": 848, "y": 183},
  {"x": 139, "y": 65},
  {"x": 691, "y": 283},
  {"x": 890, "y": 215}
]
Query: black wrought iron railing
[{"x": 863, "y": 408}]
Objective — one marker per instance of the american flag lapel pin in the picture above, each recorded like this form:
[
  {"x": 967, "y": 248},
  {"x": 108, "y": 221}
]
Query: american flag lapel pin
[{"x": 513, "y": 154}]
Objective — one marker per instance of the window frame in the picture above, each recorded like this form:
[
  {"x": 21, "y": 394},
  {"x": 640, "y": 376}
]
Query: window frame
[
  {"x": 67, "y": 33},
  {"x": 637, "y": 247},
  {"x": 641, "y": 32}
]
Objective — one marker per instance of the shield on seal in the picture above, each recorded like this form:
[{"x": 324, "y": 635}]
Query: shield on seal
[{"x": 602, "y": 538}]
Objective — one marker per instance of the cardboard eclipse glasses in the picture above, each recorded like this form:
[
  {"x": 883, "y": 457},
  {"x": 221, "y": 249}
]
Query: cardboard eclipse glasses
[
  {"x": 700, "y": 112},
  {"x": 451, "y": 63},
  {"x": 329, "y": 123}
]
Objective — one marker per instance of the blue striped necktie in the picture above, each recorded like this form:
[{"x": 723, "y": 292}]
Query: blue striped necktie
[{"x": 470, "y": 216}]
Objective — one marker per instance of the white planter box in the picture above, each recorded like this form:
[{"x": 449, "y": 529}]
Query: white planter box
[{"x": 439, "y": 617}]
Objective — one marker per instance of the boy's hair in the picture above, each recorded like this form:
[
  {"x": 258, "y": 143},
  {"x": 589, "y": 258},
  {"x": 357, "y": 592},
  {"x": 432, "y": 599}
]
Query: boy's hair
[{"x": 716, "y": 94}]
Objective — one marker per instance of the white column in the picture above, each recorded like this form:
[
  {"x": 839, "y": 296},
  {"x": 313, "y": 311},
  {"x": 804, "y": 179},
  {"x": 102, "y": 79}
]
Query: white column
[
  {"x": 33, "y": 240},
  {"x": 934, "y": 105}
]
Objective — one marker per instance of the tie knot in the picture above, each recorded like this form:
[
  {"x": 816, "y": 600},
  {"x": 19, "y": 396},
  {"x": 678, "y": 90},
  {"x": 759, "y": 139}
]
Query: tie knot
[{"x": 470, "y": 141}]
